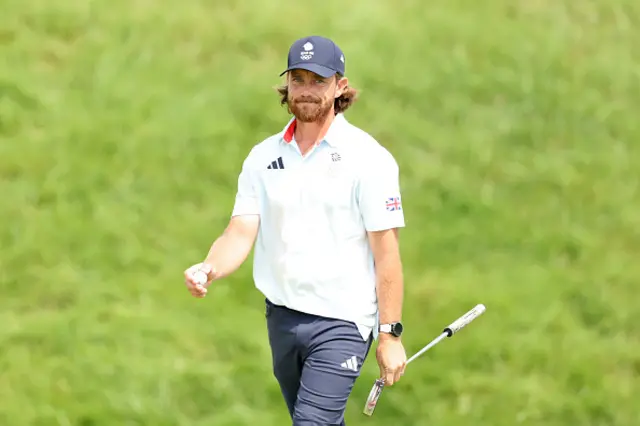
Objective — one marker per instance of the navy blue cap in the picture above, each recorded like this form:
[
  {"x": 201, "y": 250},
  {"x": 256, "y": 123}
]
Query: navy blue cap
[{"x": 316, "y": 54}]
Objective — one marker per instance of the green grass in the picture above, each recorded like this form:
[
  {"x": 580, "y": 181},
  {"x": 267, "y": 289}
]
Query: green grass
[{"x": 123, "y": 125}]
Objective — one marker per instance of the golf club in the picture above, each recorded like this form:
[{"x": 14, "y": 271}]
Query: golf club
[{"x": 449, "y": 331}]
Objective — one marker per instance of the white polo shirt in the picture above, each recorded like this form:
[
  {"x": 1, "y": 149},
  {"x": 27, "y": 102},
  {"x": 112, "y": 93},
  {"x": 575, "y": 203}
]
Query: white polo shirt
[{"x": 312, "y": 253}]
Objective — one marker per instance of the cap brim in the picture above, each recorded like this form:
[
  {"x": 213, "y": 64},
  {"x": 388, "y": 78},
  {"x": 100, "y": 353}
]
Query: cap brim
[{"x": 321, "y": 70}]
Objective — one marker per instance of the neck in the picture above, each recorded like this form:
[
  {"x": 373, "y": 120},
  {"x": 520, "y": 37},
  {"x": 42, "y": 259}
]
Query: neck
[{"x": 309, "y": 134}]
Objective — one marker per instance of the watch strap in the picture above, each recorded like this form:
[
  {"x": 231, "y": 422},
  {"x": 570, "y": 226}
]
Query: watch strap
[{"x": 384, "y": 328}]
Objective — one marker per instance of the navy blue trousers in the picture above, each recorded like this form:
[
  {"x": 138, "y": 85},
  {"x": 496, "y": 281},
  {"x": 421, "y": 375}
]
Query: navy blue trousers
[{"x": 316, "y": 361}]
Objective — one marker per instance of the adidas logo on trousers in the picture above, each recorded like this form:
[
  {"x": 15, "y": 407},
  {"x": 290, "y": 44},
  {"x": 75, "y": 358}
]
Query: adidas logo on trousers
[{"x": 351, "y": 364}]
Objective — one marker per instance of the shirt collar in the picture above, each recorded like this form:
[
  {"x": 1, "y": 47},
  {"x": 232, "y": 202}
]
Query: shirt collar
[{"x": 333, "y": 136}]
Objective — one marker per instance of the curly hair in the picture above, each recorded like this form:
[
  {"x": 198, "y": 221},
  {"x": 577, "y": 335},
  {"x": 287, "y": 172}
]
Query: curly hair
[{"x": 341, "y": 104}]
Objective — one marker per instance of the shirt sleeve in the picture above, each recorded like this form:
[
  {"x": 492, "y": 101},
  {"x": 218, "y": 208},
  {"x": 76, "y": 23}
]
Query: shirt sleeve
[
  {"x": 247, "y": 199},
  {"x": 379, "y": 194}
]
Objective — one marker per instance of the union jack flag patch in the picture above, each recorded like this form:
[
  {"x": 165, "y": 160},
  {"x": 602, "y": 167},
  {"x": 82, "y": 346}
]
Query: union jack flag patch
[{"x": 393, "y": 204}]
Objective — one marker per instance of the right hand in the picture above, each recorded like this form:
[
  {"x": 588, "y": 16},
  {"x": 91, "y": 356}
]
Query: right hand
[{"x": 196, "y": 288}]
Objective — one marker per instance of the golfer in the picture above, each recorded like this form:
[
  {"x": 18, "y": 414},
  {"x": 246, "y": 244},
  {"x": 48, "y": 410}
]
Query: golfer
[{"x": 320, "y": 200}]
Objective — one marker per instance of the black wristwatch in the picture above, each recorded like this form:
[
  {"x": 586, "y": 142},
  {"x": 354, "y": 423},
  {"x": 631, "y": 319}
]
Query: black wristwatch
[{"x": 394, "y": 329}]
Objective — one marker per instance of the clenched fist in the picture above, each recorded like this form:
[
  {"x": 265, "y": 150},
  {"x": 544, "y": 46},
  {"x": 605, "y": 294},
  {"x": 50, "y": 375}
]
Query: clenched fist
[{"x": 392, "y": 359}]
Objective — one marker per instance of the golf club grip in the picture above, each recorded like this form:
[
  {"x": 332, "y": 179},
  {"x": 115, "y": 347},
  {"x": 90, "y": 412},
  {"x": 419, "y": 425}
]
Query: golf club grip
[{"x": 461, "y": 322}]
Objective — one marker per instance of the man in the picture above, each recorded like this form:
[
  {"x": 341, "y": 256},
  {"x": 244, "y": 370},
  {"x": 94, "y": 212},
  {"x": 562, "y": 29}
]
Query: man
[{"x": 321, "y": 202}]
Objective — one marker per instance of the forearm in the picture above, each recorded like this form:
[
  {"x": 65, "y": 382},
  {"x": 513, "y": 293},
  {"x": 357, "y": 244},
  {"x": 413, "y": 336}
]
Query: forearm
[
  {"x": 390, "y": 289},
  {"x": 228, "y": 252}
]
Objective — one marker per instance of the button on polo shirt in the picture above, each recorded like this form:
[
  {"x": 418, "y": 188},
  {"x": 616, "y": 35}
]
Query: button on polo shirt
[{"x": 312, "y": 252}]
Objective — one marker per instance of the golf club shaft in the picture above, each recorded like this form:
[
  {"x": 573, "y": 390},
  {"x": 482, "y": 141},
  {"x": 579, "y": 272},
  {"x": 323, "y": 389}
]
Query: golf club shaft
[
  {"x": 429, "y": 346},
  {"x": 453, "y": 328}
]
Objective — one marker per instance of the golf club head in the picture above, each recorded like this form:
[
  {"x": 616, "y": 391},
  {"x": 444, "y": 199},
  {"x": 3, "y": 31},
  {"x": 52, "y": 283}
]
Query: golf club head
[{"x": 372, "y": 400}]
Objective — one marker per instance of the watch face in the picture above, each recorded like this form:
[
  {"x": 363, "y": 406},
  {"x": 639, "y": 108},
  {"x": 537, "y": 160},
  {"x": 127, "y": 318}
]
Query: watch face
[{"x": 397, "y": 329}]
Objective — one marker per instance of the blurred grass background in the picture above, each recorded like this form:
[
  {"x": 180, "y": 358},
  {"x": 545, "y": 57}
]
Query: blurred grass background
[{"x": 123, "y": 125}]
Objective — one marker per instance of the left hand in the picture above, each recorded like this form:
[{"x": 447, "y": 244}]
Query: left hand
[{"x": 392, "y": 358}]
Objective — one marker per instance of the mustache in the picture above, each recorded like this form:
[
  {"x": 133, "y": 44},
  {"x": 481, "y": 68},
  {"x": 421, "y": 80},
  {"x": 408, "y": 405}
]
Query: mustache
[{"x": 307, "y": 99}]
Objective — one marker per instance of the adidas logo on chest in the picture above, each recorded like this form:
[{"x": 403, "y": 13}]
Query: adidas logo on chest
[{"x": 277, "y": 164}]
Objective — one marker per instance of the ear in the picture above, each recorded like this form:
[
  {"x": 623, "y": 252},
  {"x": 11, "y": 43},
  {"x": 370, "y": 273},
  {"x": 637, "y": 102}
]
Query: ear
[{"x": 341, "y": 86}]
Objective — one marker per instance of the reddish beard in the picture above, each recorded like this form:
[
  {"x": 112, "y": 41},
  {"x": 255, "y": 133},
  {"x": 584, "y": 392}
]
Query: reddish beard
[{"x": 308, "y": 109}]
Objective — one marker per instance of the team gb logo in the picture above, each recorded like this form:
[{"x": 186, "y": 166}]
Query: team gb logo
[{"x": 307, "y": 53}]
